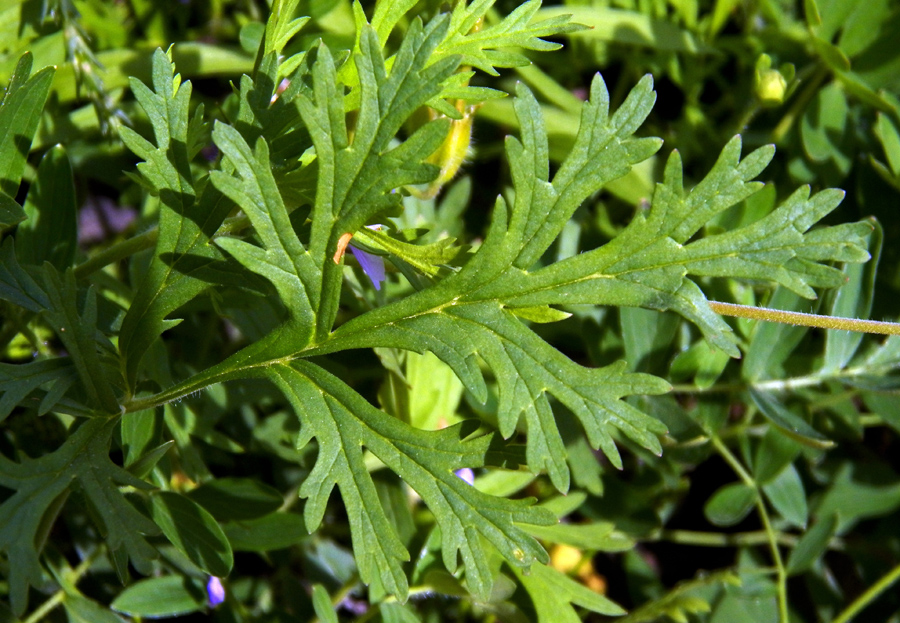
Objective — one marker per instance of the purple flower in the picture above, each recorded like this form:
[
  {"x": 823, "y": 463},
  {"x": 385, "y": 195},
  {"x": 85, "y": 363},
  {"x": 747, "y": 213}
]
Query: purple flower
[
  {"x": 372, "y": 265},
  {"x": 466, "y": 474},
  {"x": 215, "y": 591}
]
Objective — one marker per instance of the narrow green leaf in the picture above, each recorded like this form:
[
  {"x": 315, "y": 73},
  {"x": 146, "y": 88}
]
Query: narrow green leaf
[
  {"x": 193, "y": 532},
  {"x": 853, "y": 498},
  {"x": 811, "y": 10},
  {"x": 156, "y": 598},
  {"x": 145, "y": 464},
  {"x": 322, "y": 604},
  {"x": 775, "y": 452},
  {"x": 789, "y": 422},
  {"x": 265, "y": 534},
  {"x": 788, "y": 497},
  {"x": 540, "y": 315},
  {"x": 80, "y": 609},
  {"x": 852, "y": 300},
  {"x": 888, "y": 134},
  {"x": 10, "y": 212},
  {"x": 18, "y": 381},
  {"x": 773, "y": 342},
  {"x": 51, "y": 233},
  {"x": 730, "y": 504},
  {"x": 631, "y": 28},
  {"x": 398, "y": 613},
  {"x": 598, "y": 536},
  {"x": 238, "y": 499},
  {"x": 20, "y": 113},
  {"x": 16, "y": 285},
  {"x": 812, "y": 545}
]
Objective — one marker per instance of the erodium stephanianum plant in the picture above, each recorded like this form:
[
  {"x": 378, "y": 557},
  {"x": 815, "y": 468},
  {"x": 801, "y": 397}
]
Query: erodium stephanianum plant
[{"x": 245, "y": 225}]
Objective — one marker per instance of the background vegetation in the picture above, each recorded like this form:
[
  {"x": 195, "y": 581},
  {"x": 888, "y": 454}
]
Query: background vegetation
[{"x": 774, "y": 495}]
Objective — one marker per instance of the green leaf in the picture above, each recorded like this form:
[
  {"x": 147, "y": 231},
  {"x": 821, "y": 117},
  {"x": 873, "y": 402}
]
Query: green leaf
[
  {"x": 272, "y": 532},
  {"x": 322, "y": 604},
  {"x": 18, "y": 381},
  {"x": 541, "y": 314},
  {"x": 398, "y": 613},
  {"x": 145, "y": 464},
  {"x": 686, "y": 598},
  {"x": 80, "y": 609},
  {"x": 20, "y": 113},
  {"x": 554, "y": 594},
  {"x": 599, "y": 536},
  {"x": 16, "y": 285},
  {"x": 852, "y": 300},
  {"x": 772, "y": 342},
  {"x": 489, "y": 47},
  {"x": 630, "y": 28},
  {"x": 790, "y": 423},
  {"x": 775, "y": 452},
  {"x": 76, "y": 327},
  {"x": 51, "y": 232},
  {"x": 426, "y": 258},
  {"x": 526, "y": 367},
  {"x": 356, "y": 178},
  {"x": 282, "y": 260},
  {"x": 853, "y": 497},
  {"x": 788, "y": 497},
  {"x": 888, "y": 134},
  {"x": 193, "y": 532},
  {"x": 426, "y": 461},
  {"x": 10, "y": 212},
  {"x": 730, "y": 504},
  {"x": 83, "y": 460},
  {"x": 236, "y": 499},
  {"x": 166, "y": 596},
  {"x": 183, "y": 264},
  {"x": 812, "y": 545}
]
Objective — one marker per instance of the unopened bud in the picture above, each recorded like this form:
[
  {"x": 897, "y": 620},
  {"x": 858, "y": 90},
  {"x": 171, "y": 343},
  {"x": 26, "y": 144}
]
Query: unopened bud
[{"x": 770, "y": 87}]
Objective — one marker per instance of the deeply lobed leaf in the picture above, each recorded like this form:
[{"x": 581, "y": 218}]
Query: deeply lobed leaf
[{"x": 82, "y": 461}]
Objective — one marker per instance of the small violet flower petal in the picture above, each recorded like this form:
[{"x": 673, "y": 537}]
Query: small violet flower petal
[
  {"x": 215, "y": 591},
  {"x": 372, "y": 265},
  {"x": 466, "y": 474}
]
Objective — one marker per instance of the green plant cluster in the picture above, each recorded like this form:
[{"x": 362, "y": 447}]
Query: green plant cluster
[{"x": 266, "y": 355}]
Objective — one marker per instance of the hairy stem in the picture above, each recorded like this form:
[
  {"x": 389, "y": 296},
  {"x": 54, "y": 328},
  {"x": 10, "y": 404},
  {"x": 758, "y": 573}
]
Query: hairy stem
[{"x": 806, "y": 320}]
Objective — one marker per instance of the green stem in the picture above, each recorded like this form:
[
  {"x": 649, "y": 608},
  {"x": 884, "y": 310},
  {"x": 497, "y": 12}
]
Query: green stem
[
  {"x": 771, "y": 535},
  {"x": 59, "y": 596},
  {"x": 45, "y": 608},
  {"x": 718, "y": 539},
  {"x": 806, "y": 320},
  {"x": 117, "y": 252},
  {"x": 866, "y": 598}
]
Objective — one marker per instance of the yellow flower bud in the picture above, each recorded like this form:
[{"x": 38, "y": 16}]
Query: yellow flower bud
[{"x": 770, "y": 87}]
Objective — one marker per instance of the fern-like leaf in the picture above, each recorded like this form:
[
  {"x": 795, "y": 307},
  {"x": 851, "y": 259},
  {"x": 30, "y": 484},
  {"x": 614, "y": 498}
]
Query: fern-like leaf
[
  {"x": 183, "y": 264},
  {"x": 83, "y": 460},
  {"x": 344, "y": 424}
]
